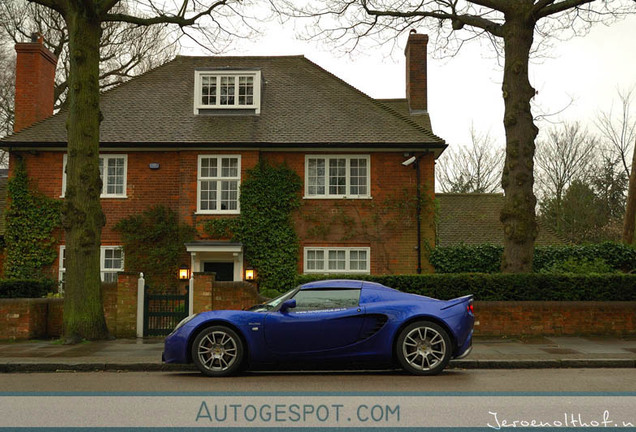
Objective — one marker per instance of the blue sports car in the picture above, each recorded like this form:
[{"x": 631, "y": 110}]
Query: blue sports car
[{"x": 328, "y": 323}]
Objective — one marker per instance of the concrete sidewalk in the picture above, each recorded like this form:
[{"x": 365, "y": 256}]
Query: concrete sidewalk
[{"x": 488, "y": 353}]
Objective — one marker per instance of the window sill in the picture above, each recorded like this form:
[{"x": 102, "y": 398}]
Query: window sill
[
  {"x": 340, "y": 272},
  {"x": 106, "y": 197},
  {"x": 227, "y": 212},
  {"x": 337, "y": 197}
]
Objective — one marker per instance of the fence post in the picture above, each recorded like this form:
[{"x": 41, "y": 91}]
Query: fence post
[
  {"x": 141, "y": 287},
  {"x": 191, "y": 295}
]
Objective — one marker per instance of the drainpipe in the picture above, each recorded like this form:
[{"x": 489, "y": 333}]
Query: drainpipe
[{"x": 418, "y": 211}]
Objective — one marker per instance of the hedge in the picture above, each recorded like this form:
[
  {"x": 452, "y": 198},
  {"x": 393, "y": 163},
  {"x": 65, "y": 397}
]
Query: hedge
[
  {"x": 507, "y": 287},
  {"x": 487, "y": 258},
  {"x": 14, "y": 288}
]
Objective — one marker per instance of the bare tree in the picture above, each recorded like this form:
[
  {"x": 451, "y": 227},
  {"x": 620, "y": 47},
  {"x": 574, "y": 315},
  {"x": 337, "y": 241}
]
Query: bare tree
[
  {"x": 215, "y": 22},
  {"x": 564, "y": 155},
  {"x": 126, "y": 50},
  {"x": 619, "y": 130},
  {"x": 475, "y": 168},
  {"x": 512, "y": 24}
]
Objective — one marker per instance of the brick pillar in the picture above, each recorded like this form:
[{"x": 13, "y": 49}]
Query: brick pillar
[
  {"x": 126, "y": 318},
  {"x": 202, "y": 296},
  {"x": 34, "y": 83}
]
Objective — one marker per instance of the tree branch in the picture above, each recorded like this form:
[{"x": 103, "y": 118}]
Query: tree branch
[
  {"x": 472, "y": 20},
  {"x": 164, "y": 19},
  {"x": 559, "y": 7},
  {"x": 57, "y": 5}
]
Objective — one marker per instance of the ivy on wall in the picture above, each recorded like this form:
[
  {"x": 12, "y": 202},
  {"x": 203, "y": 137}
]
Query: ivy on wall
[
  {"x": 31, "y": 220},
  {"x": 153, "y": 243},
  {"x": 269, "y": 195}
]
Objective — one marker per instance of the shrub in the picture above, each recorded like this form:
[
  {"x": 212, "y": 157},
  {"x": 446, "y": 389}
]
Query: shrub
[
  {"x": 14, "y": 288},
  {"x": 507, "y": 287},
  {"x": 487, "y": 258},
  {"x": 579, "y": 266}
]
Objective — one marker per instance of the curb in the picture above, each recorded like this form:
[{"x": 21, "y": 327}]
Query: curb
[
  {"x": 455, "y": 364},
  {"x": 544, "y": 364}
]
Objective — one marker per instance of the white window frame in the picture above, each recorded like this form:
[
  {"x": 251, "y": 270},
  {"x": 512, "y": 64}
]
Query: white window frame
[
  {"x": 347, "y": 194},
  {"x": 219, "y": 179},
  {"x": 347, "y": 251},
  {"x": 104, "y": 158},
  {"x": 236, "y": 74},
  {"x": 102, "y": 262}
]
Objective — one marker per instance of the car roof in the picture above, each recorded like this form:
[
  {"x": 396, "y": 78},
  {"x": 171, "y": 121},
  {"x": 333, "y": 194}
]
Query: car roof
[{"x": 342, "y": 283}]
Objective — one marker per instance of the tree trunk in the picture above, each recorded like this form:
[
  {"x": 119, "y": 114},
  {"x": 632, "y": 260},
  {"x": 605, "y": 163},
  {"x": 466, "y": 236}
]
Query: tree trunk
[
  {"x": 518, "y": 213},
  {"x": 82, "y": 214},
  {"x": 630, "y": 210}
]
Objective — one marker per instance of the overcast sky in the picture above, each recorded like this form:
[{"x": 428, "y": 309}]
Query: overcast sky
[{"x": 467, "y": 88}]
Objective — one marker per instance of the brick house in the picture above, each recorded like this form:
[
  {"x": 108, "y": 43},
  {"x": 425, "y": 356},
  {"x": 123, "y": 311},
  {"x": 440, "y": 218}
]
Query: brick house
[{"x": 184, "y": 135}]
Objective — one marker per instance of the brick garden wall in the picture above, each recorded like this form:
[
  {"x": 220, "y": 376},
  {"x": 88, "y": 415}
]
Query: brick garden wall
[{"x": 554, "y": 318}]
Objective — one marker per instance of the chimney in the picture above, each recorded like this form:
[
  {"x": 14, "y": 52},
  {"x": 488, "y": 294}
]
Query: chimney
[
  {"x": 416, "y": 72},
  {"x": 34, "y": 83}
]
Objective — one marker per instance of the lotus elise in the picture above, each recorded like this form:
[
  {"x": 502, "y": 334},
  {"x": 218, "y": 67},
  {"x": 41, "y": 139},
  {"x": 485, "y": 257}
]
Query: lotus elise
[{"x": 324, "y": 324}]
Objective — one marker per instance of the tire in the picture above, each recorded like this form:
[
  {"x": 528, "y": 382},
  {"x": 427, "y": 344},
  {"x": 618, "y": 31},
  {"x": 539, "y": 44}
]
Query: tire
[
  {"x": 423, "y": 348},
  {"x": 218, "y": 351}
]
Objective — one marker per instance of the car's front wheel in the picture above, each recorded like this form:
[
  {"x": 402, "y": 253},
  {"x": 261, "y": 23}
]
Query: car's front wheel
[
  {"x": 423, "y": 348},
  {"x": 217, "y": 351}
]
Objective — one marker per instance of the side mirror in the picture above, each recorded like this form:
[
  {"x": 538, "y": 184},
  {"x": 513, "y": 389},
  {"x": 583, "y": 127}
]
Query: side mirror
[{"x": 287, "y": 304}]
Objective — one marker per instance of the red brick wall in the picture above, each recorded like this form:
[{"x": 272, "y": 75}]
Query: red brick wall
[
  {"x": 554, "y": 318},
  {"x": 379, "y": 223},
  {"x": 23, "y": 318}
]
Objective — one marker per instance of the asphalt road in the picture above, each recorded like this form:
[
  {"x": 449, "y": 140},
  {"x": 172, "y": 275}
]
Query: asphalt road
[{"x": 476, "y": 380}]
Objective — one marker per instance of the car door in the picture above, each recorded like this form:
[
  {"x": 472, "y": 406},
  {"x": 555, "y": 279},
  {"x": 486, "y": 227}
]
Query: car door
[{"x": 323, "y": 319}]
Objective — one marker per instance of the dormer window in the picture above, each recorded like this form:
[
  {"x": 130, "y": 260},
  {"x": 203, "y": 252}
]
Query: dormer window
[{"x": 227, "y": 90}]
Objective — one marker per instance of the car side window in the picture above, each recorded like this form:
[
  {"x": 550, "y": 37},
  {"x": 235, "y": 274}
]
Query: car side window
[{"x": 326, "y": 299}]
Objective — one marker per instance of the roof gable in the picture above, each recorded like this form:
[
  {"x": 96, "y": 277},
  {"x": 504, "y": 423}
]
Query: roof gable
[{"x": 301, "y": 104}]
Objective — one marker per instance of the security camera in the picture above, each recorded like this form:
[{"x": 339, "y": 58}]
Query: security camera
[{"x": 409, "y": 161}]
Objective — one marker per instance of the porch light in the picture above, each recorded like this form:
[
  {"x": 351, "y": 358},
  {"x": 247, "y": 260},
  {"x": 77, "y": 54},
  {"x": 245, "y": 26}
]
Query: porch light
[
  {"x": 250, "y": 274},
  {"x": 184, "y": 272}
]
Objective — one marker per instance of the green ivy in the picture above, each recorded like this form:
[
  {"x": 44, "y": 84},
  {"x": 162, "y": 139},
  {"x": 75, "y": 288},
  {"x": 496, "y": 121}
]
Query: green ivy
[
  {"x": 31, "y": 221},
  {"x": 269, "y": 195},
  {"x": 153, "y": 242}
]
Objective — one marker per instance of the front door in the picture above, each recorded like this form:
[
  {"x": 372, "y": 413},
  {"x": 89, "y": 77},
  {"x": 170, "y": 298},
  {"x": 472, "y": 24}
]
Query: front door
[{"x": 224, "y": 270}]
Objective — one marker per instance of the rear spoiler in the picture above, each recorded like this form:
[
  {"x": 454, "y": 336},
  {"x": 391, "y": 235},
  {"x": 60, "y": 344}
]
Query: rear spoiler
[{"x": 459, "y": 300}]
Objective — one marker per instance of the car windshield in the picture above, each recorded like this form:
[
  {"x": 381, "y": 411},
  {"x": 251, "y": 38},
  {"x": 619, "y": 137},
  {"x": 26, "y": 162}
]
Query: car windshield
[{"x": 273, "y": 303}]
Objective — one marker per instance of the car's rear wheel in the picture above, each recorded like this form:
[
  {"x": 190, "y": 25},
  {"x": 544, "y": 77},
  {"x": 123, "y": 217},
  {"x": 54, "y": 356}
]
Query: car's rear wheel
[
  {"x": 423, "y": 348},
  {"x": 217, "y": 351}
]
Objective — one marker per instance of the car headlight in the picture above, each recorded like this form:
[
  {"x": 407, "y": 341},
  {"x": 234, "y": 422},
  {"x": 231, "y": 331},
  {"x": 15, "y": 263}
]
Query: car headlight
[{"x": 184, "y": 321}]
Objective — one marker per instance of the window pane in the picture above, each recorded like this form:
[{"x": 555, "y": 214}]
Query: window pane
[
  {"x": 358, "y": 260},
  {"x": 208, "y": 90},
  {"x": 326, "y": 299},
  {"x": 316, "y": 176},
  {"x": 113, "y": 258},
  {"x": 208, "y": 195},
  {"x": 246, "y": 90},
  {"x": 208, "y": 167},
  {"x": 229, "y": 167},
  {"x": 315, "y": 260},
  {"x": 358, "y": 177},
  {"x": 337, "y": 260},
  {"x": 337, "y": 176},
  {"x": 115, "y": 176},
  {"x": 229, "y": 195},
  {"x": 227, "y": 90}
]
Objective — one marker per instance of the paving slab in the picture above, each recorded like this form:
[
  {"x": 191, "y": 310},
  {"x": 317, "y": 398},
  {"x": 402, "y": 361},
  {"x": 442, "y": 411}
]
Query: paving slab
[{"x": 144, "y": 354}]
